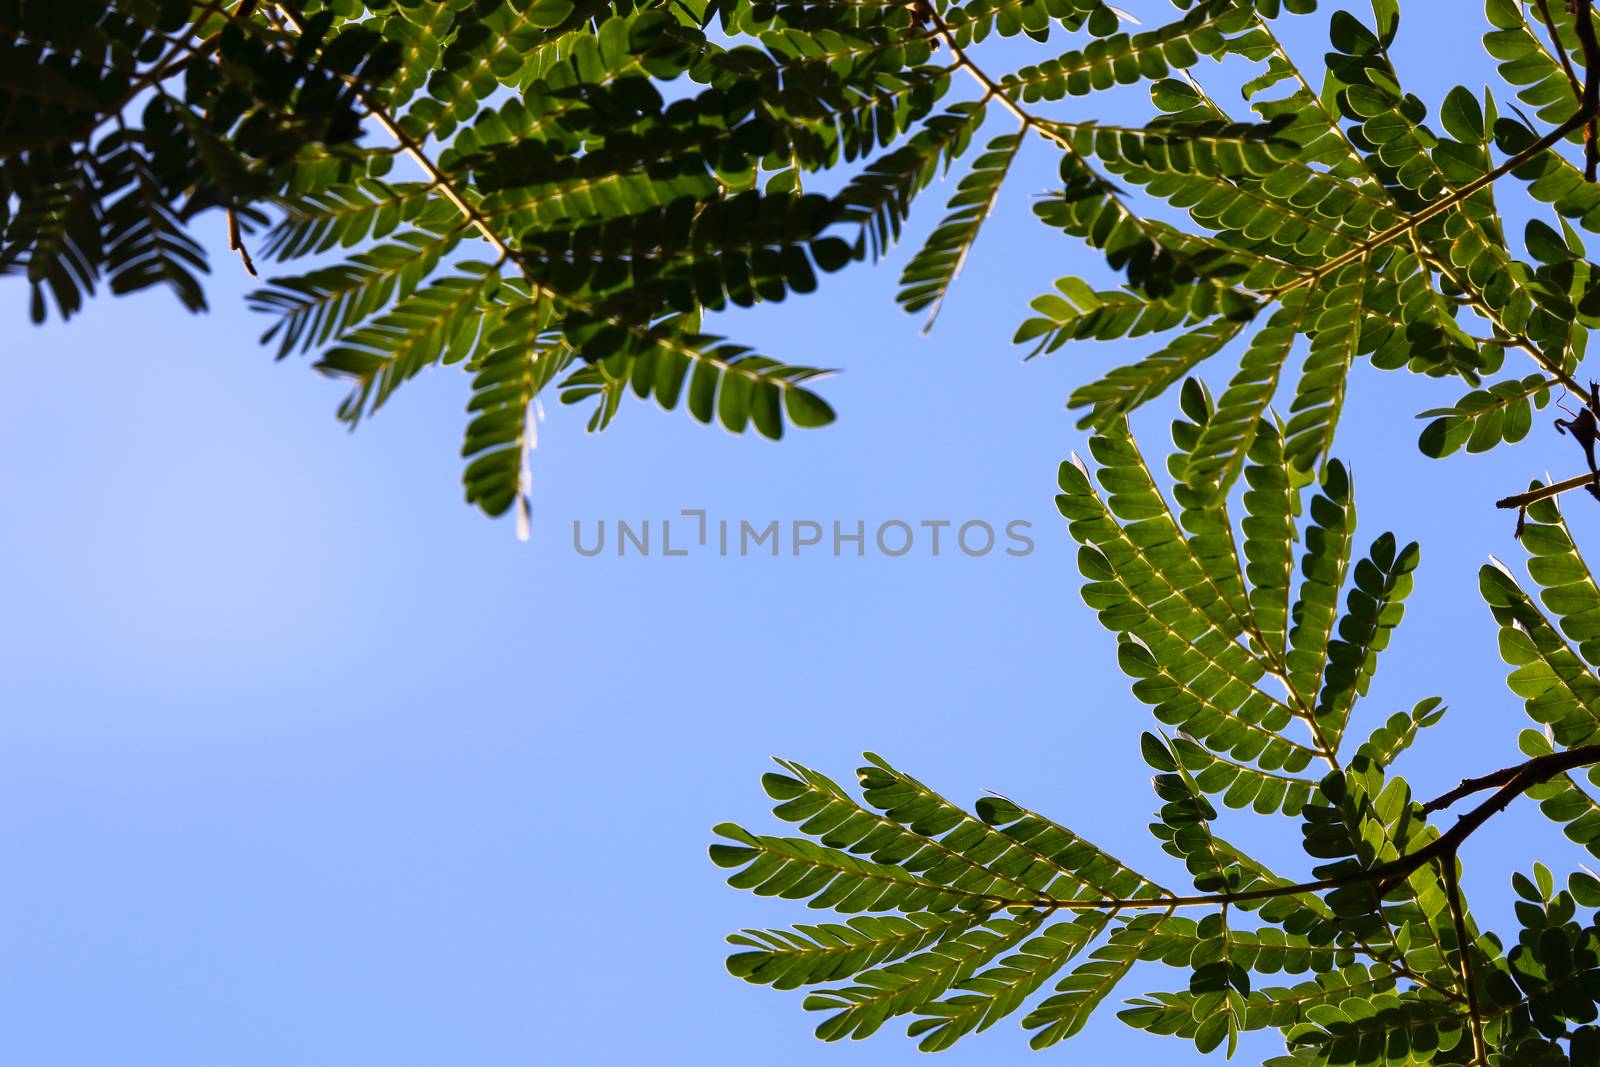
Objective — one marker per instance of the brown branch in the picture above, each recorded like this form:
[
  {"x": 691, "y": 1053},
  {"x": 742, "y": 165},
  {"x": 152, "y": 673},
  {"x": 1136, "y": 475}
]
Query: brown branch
[
  {"x": 1583, "y": 25},
  {"x": 1561, "y": 52},
  {"x": 236, "y": 242},
  {"x": 1512, "y": 782},
  {"x": 1563, "y": 761},
  {"x": 1533, "y": 496}
]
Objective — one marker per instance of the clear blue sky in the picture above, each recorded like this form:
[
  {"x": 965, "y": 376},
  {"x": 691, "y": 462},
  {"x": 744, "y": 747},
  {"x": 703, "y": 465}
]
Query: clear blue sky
[{"x": 304, "y": 762}]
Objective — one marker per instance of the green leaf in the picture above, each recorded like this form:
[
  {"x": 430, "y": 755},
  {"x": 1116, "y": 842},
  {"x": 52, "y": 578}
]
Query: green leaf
[
  {"x": 1485, "y": 417},
  {"x": 1374, "y": 606},
  {"x": 1322, "y": 567},
  {"x": 1220, "y": 453},
  {"x": 927, "y": 277},
  {"x": 1559, "y": 689},
  {"x": 1397, "y": 733}
]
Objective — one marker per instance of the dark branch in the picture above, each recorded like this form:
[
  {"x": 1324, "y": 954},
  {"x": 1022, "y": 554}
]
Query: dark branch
[
  {"x": 1512, "y": 783},
  {"x": 1543, "y": 768},
  {"x": 1583, "y": 25},
  {"x": 1560, "y": 50},
  {"x": 236, "y": 242},
  {"x": 1533, "y": 496}
]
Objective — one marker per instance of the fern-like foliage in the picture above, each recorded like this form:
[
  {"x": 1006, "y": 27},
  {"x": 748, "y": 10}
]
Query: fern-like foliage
[
  {"x": 104, "y": 168},
  {"x": 1252, "y": 638},
  {"x": 634, "y": 168}
]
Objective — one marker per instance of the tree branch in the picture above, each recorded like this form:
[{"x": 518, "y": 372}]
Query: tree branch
[
  {"x": 1583, "y": 25},
  {"x": 1512, "y": 782},
  {"x": 1533, "y": 496},
  {"x": 1560, "y": 50}
]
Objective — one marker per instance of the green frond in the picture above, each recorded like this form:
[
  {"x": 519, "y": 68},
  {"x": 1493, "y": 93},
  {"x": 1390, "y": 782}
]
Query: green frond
[
  {"x": 1219, "y": 455},
  {"x": 927, "y": 278},
  {"x": 1322, "y": 567},
  {"x": 1278, "y": 1008},
  {"x": 1075, "y": 312},
  {"x": 1566, "y": 585},
  {"x": 1312, "y": 123},
  {"x": 63, "y": 215},
  {"x": 145, "y": 243},
  {"x": 419, "y": 33},
  {"x": 1387, "y": 1028},
  {"x": 1124, "y": 59},
  {"x": 588, "y": 188},
  {"x": 1560, "y": 691},
  {"x": 1549, "y": 177},
  {"x": 1210, "y": 531},
  {"x": 1185, "y": 827},
  {"x": 1080, "y": 864},
  {"x": 493, "y": 47},
  {"x": 1211, "y": 149},
  {"x": 910, "y": 984},
  {"x": 1396, "y": 733},
  {"x": 1242, "y": 785},
  {"x": 441, "y": 323},
  {"x": 1336, "y": 340},
  {"x": 1126, "y": 388},
  {"x": 1525, "y": 60},
  {"x": 1271, "y": 503},
  {"x": 878, "y": 199},
  {"x": 1266, "y": 950},
  {"x": 725, "y": 382},
  {"x": 974, "y": 21},
  {"x": 827, "y": 952},
  {"x": 1485, "y": 417},
  {"x": 1374, "y": 606},
  {"x": 346, "y": 215},
  {"x": 978, "y": 897},
  {"x": 747, "y": 248},
  {"x": 797, "y": 869},
  {"x": 1077, "y": 995},
  {"x": 1157, "y": 259},
  {"x": 505, "y": 390},
  {"x": 989, "y": 995},
  {"x": 910, "y": 838},
  {"x": 1179, "y": 625},
  {"x": 314, "y": 307},
  {"x": 1360, "y": 821},
  {"x": 1029, "y": 854}
]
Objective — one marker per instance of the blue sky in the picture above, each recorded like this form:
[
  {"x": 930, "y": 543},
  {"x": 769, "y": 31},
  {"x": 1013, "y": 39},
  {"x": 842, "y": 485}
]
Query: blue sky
[{"x": 303, "y": 761}]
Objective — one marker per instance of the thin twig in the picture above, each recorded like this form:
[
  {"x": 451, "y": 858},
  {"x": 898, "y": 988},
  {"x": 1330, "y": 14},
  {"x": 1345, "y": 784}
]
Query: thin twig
[
  {"x": 236, "y": 242},
  {"x": 1532, "y": 496},
  {"x": 1458, "y": 915},
  {"x": 1561, "y": 51},
  {"x": 1514, "y": 781},
  {"x": 1583, "y": 25}
]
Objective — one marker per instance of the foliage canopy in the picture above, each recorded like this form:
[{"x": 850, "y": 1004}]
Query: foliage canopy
[
  {"x": 559, "y": 191},
  {"x": 1234, "y": 635}
]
